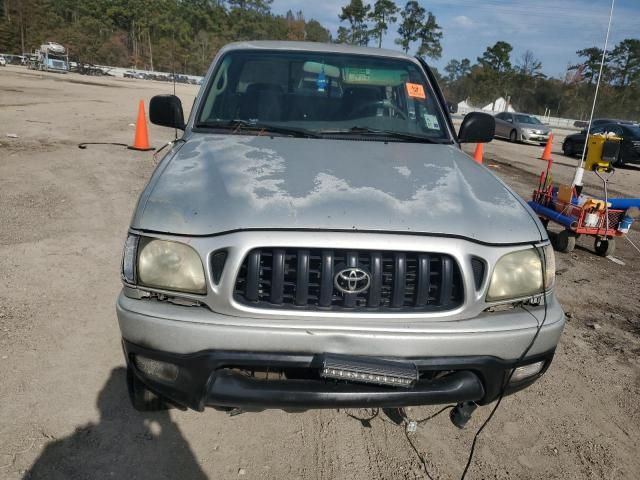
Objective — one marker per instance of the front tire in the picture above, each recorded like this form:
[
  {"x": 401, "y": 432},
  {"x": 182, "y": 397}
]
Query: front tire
[
  {"x": 568, "y": 149},
  {"x": 565, "y": 241},
  {"x": 604, "y": 247},
  {"x": 513, "y": 136}
]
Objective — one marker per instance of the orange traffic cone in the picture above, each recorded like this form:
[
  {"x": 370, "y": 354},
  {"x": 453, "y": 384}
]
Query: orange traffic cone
[
  {"x": 546, "y": 154},
  {"x": 477, "y": 156},
  {"x": 141, "y": 141}
]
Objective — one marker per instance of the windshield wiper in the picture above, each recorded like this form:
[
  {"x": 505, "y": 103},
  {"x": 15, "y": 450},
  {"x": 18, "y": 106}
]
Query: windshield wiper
[
  {"x": 244, "y": 125},
  {"x": 357, "y": 130}
]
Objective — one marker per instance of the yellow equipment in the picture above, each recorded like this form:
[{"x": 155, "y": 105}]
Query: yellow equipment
[{"x": 602, "y": 150}]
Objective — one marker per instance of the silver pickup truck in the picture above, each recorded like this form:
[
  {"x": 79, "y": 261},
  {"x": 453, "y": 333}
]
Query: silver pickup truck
[{"x": 317, "y": 239}]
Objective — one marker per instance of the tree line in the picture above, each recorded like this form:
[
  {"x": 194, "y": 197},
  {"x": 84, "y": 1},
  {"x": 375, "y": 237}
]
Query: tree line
[
  {"x": 495, "y": 73},
  {"x": 184, "y": 35},
  {"x": 158, "y": 35}
]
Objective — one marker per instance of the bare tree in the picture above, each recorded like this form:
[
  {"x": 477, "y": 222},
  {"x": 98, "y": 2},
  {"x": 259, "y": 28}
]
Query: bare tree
[{"x": 529, "y": 65}]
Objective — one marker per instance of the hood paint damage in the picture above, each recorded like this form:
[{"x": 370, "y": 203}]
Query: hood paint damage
[{"x": 217, "y": 183}]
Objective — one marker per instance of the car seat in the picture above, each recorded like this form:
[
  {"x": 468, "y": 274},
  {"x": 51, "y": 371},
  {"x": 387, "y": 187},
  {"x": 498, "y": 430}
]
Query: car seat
[{"x": 263, "y": 101}]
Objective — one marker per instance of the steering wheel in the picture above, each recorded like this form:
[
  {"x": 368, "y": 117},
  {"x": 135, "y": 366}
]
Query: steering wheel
[{"x": 382, "y": 104}]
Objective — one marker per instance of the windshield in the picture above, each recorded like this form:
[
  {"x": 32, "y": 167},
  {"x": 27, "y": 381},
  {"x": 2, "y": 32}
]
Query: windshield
[
  {"x": 323, "y": 93},
  {"x": 527, "y": 119}
]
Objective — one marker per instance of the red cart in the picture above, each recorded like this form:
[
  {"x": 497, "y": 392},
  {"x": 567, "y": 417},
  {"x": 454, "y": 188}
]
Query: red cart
[{"x": 604, "y": 230}]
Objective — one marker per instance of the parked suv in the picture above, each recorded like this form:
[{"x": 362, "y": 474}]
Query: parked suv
[{"x": 317, "y": 239}]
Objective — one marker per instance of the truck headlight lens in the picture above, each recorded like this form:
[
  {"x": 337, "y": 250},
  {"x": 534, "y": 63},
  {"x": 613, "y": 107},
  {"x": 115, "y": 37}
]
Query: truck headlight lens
[
  {"x": 519, "y": 274},
  {"x": 170, "y": 266}
]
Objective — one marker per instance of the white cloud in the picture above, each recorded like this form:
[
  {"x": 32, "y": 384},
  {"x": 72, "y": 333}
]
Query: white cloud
[{"x": 462, "y": 21}]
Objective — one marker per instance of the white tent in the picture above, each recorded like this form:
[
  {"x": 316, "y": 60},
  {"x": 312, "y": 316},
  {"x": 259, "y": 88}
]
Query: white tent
[
  {"x": 464, "y": 107},
  {"x": 498, "y": 105}
]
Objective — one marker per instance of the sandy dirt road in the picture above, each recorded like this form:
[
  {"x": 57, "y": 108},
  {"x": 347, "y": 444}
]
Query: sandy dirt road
[{"x": 64, "y": 412}]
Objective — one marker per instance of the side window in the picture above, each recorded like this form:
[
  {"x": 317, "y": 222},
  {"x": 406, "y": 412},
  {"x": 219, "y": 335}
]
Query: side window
[
  {"x": 501, "y": 115},
  {"x": 509, "y": 117}
]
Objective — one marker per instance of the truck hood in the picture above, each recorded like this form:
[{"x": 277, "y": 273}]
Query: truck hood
[{"x": 219, "y": 183}]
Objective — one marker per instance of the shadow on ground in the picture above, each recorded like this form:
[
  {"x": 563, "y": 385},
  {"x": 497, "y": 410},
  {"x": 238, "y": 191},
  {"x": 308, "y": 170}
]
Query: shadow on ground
[{"x": 124, "y": 444}]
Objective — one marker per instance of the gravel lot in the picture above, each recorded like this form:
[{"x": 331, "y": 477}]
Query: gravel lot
[{"x": 64, "y": 413}]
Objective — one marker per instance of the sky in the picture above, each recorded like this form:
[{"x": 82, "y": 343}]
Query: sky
[{"x": 552, "y": 29}]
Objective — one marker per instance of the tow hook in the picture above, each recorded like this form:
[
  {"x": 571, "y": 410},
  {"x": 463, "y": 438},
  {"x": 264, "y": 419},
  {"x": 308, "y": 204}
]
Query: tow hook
[{"x": 461, "y": 413}]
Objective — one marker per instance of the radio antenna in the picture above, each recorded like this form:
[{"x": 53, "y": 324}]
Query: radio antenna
[
  {"x": 173, "y": 67},
  {"x": 577, "y": 179}
]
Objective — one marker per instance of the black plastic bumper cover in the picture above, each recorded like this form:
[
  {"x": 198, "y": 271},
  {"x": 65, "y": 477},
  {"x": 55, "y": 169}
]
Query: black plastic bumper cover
[
  {"x": 231, "y": 389},
  {"x": 206, "y": 379}
]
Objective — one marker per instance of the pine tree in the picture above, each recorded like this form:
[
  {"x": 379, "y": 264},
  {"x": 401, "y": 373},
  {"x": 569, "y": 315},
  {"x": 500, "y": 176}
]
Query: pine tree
[
  {"x": 383, "y": 13},
  {"x": 356, "y": 13}
]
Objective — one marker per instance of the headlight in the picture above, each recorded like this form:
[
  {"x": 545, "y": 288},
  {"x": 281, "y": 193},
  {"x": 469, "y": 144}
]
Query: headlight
[
  {"x": 519, "y": 274},
  {"x": 169, "y": 266}
]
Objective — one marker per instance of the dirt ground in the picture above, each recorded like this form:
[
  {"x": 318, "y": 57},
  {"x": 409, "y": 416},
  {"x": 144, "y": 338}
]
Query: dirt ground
[{"x": 64, "y": 412}]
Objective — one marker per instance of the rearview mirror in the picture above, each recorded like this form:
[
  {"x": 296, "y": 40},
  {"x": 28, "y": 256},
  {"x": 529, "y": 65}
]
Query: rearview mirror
[
  {"x": 477, "y": 128},
  {"x": 452, "y": 107},
  {"x": 166, "y": 110},
  {"x": 315, "y": 67}
]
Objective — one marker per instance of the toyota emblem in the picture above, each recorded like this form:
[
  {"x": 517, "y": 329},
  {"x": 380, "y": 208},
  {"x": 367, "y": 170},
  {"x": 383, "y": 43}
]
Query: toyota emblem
[{"x": 352, "y": 280}]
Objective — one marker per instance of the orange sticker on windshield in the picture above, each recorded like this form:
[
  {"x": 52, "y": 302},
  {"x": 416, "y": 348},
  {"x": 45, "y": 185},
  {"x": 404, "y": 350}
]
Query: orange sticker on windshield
[{"x": 415, "y": 90}]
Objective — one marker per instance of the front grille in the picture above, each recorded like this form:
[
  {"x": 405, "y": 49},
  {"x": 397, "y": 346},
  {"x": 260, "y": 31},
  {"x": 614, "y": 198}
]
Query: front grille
[
  {"x": 477, "y": 266},
  {"x": 303, "y": 279}
]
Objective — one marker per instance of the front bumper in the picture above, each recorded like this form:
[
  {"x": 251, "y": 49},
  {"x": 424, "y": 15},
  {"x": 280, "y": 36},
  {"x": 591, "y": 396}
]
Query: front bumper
[
  {"x": 472, "y": 357},
  {"x": 535, "y": 137},
  {"x": 179, "y": 329},
  {"x": 212, "y": 379}
]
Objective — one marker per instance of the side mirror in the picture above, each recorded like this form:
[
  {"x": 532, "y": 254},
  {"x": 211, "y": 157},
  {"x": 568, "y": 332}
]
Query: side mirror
[
  {"x": 166, "y": 110},
  {"x": 453, "y": 107},
  {"x": 477, "y": 128}
]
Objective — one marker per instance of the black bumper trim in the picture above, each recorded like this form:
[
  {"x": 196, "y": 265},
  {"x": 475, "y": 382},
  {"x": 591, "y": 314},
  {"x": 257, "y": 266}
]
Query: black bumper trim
[
  {"x": 205, "y": 379},
  {"x": 230, "y": 389}
]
